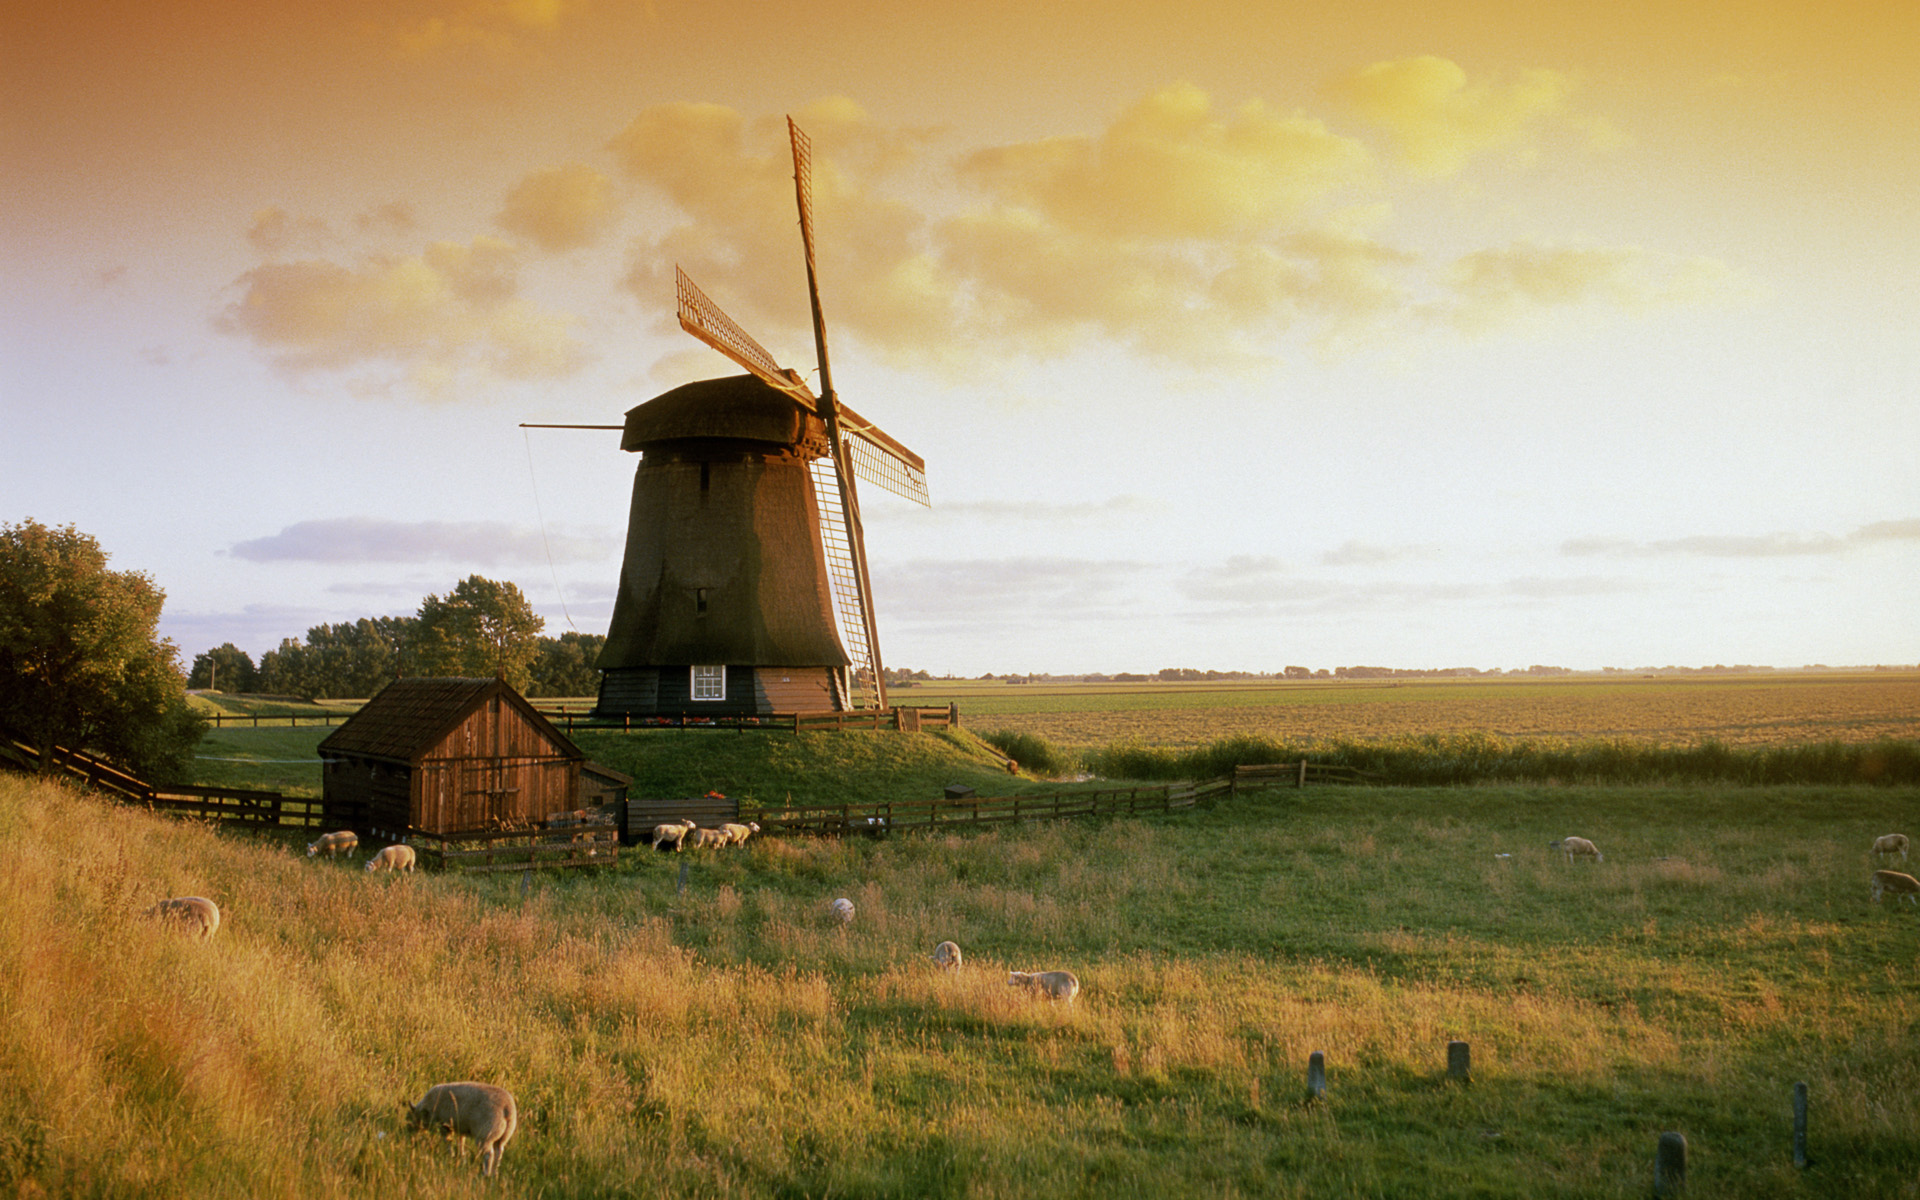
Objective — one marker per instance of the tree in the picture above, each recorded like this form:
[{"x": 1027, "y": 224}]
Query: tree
[
  {"x": 225, "y": 668},
  {"x": 482, "y": 628},
  {"x": 81, "y": 664},
  {"x": 564, "y": 666}
]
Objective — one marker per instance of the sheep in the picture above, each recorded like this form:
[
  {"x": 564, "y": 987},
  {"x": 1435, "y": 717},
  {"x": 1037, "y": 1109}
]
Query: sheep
[
  {"x": 703, "y": 838},
  {"x": 1056, "y": 985},
  {"x": 1892, "y": 843},
  {"x": 842, "y": 910},
  {"x": 740, "y": 833},
  {"x": 947, "y": 956},
  {"x": 195, "y": 914},
  {"x": 345, "y": 842},
  {"x": 1898, "y": 884},
  {"x": 1577, "y": 847},
  {"x": 673, "y": 831},
  {"x": 396, "y": 857},
  {"x": 480, "y": 1111}
]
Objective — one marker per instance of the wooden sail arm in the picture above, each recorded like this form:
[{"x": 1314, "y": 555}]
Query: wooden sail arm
[{"x": 704, "y": 319}]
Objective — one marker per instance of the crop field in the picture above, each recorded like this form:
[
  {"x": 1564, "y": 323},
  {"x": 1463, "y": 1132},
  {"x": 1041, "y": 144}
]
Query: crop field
[
  {"x": 729, "y": 1040},
  {"x": 1741, "y": 711}
]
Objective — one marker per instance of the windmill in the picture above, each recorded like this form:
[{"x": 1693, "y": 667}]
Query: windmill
[{"x": 746, "y": 563}]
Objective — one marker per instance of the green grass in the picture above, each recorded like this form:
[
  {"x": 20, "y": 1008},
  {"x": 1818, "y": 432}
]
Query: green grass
[
  {"x": 731, "y": 1041},
  {"x": 275, "y": 759}
]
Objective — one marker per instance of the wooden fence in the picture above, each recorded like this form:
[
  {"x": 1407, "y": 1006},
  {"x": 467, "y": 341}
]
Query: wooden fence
[
  {"x": 886, "y": 816},
  {"x": 908, "y": 720},
  {"x": 586, "y": 838},
  {"x": 256, "y": 720},
  {"x": 247, "y": 806},
  {"x": 1300, "y": 774}
]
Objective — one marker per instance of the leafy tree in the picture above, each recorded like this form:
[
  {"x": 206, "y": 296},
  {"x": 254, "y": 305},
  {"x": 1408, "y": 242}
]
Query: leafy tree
[
  {"x": 565, "y": 667},
  {"x": 481, "y": 628},
  {"x": 226, "y": 668},
  {"x": 81, "y": 664}
]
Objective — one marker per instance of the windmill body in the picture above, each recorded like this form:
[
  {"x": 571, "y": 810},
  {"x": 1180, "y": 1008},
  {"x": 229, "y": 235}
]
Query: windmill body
[{"x": 725, "y": 605}]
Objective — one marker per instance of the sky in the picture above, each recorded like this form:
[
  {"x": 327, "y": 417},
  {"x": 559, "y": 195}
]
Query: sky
[{"x": 1234, "y": 335}]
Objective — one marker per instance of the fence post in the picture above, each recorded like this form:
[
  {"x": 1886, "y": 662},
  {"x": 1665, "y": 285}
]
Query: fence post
[
  {"x": 1670, "y": 1164},
  {"x": 1317, "y": 1075},
  {"x": 1303, "y": 774},
  {"x": 1459, "y": 1062},
  {"x": 1800, "y": 1125}
]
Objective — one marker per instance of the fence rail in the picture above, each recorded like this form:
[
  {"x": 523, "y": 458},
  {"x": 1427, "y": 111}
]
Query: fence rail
[
  {"x": 904, "y": 719},
  {"x": 589, "y": 838},
  {"x": 1300, "y": 774},
  {"x": 256, "y": 720},
  {"x": 910, "y": 814}
]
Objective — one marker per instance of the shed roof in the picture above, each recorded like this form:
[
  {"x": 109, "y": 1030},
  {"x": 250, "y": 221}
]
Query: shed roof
[{"x": 410, "y": 716}]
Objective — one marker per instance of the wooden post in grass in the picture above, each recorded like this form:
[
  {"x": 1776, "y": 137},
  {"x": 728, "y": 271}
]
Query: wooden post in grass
[
  {"x": 1303, "y": 773},
  {"x": 1670, "y": 1164},
  {"x": 1800, "y": 1125},
  {"x": 526, "y": 882},
  {"x": 681, "y": 887},
  {"x": 1317, "y": 1075},
  {"x": 1459, "y": 1062}
]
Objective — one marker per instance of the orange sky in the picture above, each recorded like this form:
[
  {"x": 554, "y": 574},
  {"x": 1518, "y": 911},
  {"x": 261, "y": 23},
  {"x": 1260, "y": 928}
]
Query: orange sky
[{"x": 1629, "y": 260}]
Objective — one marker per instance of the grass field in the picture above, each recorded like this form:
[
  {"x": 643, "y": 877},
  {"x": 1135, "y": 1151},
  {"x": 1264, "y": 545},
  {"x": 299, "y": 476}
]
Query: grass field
[
  {"x": 730, "y": 1041},
  {"x": 1735, "y": 710}
]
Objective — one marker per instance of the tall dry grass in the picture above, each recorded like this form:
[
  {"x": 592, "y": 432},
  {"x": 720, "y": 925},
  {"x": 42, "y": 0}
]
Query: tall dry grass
[{"x": 731, "y": 1040}]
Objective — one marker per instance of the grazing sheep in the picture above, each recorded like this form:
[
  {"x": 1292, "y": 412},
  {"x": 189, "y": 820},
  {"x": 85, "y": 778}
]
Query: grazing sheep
[
  {"x": 1892, "y": 843},
  {"x": 947, "y": 955},
  {"x": 740, "y": 833},
  {"x": 345, "y": 842},
  {"x": 1577, "y": 847},
  {"x": 195, "y": 914},
  {"x": 1898, "y": 884},
  {"x": 703, "y": 838},
  {"x": 842, "y": 909},
  {"x": 1056, "y": 985},
  {"x": 393, "y": 858},
  {"x": 673, "y": 831},
  {"x": 480, "y": 1111}
]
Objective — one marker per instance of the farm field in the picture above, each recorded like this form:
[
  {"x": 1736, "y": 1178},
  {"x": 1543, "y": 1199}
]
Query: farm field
[
  {"x": 729, "y": 1040},
  {"x": 1744, "y": 710}
]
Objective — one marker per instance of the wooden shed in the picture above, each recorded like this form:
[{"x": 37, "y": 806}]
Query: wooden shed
[{"x": 446, "y": 756}]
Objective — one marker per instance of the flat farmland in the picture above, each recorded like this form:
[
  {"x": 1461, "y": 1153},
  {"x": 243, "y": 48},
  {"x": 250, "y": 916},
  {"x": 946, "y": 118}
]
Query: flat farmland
[{"x": 1754, "y": 710}]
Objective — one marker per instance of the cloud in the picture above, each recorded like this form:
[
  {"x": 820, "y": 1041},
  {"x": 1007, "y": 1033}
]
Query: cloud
[
  {"x": 1438, "y": 120},
  {"x": 1125, "y": 507},
  {"x": 1766, "y": 545},
  {"x": 563, "y": 208},
  {"x": 394, "y": 218},
  {"x": 275, "y": 232},
  {"x": 1498, "y": 287},
  {"x": 1171, "y": 168},
  {"x": 1184, "y": 232},
  {"x": 372, "y": 540},
  {"x": 449, "y": 311},
  {"x": 1367, "y": 554},
  {"x": 495, "y": 29}
]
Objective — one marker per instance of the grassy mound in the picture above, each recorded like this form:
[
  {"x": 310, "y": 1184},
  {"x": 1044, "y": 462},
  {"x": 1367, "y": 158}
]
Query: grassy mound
[{"x": 732, "y": 1041}]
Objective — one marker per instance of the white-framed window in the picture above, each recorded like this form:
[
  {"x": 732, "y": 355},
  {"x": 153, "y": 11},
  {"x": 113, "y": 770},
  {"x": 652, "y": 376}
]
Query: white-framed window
[{"x": 709, "y": 683}]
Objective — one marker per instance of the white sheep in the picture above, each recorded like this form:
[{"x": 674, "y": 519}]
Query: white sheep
[
  {"x": 195, "y": 914},
  {"x": 947, "y": 955},
  {"x": 1577, "y": 847},
  {"x": 842, "y": 910},
  {"x": 345, "y": 842},
  {"x": 1055, "y": 985},
  {"x": 703, "y": 838},
  {"x": 1892, "y": 843},
  {"x": 1898, "y": 884},
  {"x": 740, "y": 833},
  {"x": 480, "y": 1111},
  {"x": 393, "y": 858},
  {"x": 673, "y": 831}
]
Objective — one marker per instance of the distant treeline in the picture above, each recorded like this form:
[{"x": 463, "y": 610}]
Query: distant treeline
[
  {"x": 1455, "y": 759},
  {"x": 479, "y": 629}
]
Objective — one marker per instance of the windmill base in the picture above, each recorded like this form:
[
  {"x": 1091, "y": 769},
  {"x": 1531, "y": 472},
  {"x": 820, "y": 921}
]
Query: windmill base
[{"x": 749, "y": 691}]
